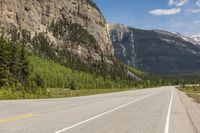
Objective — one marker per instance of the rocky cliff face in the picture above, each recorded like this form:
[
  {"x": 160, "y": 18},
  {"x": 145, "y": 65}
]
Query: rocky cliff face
[
  {"x": 63, "y": 22},
  {"x": 158, "y": 52},
  {"x": 123, "y": 43}
]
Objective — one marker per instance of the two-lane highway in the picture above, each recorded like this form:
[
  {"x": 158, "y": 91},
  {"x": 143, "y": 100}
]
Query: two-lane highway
[{"x": 157, "y": 110}]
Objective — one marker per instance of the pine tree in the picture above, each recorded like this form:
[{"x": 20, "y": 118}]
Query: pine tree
[
  {"x": 24, "y": 69},
  {"x": 4, "y": 61},
  {"x": 13, "y": 66}
]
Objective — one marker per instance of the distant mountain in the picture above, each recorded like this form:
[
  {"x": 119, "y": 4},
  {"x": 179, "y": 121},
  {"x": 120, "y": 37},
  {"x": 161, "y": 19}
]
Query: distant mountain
[{"x": 155, "y": 51}]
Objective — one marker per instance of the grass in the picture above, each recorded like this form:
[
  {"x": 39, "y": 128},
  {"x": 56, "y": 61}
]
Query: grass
[
  {"x": 10, "y": 94},
  {"x": 192, "y": 91},
  {"x": 56, "y": 93}
]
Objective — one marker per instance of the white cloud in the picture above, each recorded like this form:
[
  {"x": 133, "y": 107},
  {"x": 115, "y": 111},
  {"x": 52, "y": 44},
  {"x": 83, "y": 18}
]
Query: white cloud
[
  {"x": 159, "y": 12},
  {"x": 177, "y": 2},
  {"x": 195, "y": 11},
  {"x": 198, "y": 3},
  {"x": 171, "y": 2}
]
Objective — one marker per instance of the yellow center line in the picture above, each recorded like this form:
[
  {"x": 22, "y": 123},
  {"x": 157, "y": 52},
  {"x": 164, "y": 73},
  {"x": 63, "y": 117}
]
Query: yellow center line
[{"x": 16, "y": 118}]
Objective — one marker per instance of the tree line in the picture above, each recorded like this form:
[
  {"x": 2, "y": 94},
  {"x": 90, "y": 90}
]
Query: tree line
[{"x": 14, "y": 68}]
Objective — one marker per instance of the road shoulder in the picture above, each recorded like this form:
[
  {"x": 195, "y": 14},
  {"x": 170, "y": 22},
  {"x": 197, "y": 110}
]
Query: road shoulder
[{"x": 192, "y": 108}]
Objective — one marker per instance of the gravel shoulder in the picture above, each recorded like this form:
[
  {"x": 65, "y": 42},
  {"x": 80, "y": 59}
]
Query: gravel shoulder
[{"x": 193, "y": 109}]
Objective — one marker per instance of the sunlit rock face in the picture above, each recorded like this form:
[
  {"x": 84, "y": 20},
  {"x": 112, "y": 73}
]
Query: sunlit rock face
[{"x": 37, "y": 16}]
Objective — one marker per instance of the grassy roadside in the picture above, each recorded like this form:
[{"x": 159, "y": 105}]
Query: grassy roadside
[
  {"x": 57, "y": 93},
  {"x": 10, "y": 94},
  {"x": 192, "y": 91}
]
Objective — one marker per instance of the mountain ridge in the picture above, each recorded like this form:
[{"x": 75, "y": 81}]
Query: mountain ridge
[{"x": 155, "y": 51}]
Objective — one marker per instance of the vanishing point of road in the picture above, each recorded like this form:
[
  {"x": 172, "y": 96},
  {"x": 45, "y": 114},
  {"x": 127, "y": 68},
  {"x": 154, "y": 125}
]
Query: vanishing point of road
[{"x": 156, "y": 110}]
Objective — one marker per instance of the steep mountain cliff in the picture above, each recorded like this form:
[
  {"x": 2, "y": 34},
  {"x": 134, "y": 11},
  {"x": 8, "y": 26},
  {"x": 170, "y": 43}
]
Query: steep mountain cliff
[
  {"x": 72, "y": 26},
  {"x": 155, "y": 51}
]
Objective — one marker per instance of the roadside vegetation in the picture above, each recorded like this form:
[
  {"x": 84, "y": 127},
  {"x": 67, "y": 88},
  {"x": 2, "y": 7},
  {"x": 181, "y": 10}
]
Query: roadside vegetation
[
  {"x": 51, "y": 74},
  {"x": 192, "y": 91}
]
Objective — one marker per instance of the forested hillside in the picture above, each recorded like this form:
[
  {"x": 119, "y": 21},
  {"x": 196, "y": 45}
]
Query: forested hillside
[
  {"x": 53, "y": 75},
  {"x": 27, "y": 74}
]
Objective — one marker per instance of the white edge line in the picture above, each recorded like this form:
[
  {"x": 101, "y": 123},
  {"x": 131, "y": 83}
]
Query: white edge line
[
  {"x": 169, "y": 114},
  {"x": 97, "y": 116}
]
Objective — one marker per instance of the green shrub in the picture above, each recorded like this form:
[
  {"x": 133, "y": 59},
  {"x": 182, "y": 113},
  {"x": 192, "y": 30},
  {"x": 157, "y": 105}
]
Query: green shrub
[
  {"x": 72, "y": 85},
  {"x": 39, "y": 81}
]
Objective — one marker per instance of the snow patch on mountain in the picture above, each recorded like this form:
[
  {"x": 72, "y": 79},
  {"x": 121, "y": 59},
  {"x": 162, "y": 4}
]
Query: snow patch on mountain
[
  {"x": 197, "y": 39},
  {"x": 183, "y": 37}
]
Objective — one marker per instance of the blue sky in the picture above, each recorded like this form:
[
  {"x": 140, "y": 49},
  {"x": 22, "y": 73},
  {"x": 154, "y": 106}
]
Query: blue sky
[{"x": 173, "y": 15}]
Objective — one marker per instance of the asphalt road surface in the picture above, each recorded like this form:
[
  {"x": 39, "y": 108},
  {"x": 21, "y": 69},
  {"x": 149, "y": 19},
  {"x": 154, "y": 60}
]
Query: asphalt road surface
[{"x": 157, "y": 110}]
